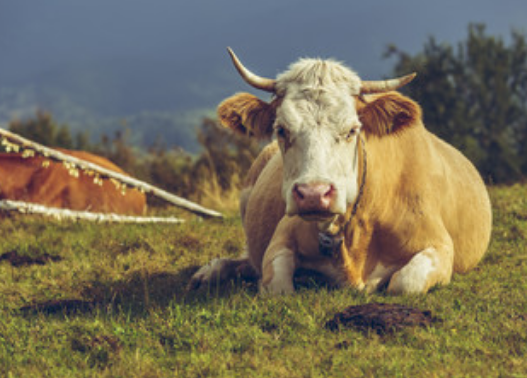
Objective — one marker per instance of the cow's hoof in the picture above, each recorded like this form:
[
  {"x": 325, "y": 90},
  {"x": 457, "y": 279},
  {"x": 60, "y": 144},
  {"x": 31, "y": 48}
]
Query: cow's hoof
[
  {"x": 277, "y": 287},
  {"x": 213, "y": 272}
]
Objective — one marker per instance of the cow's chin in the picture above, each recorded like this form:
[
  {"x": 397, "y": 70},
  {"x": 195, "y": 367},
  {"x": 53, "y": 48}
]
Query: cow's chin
[{"x": 317, "y": 216}]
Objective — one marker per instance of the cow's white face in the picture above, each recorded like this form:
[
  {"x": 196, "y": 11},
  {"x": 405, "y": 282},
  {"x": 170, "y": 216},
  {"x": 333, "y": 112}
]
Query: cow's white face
[
  {"x": 315, "y": 120},
  {"x": 317, "y": 127}
]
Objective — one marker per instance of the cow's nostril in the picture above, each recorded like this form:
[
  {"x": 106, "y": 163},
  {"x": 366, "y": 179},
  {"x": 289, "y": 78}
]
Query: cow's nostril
[
  {"x": 330, "y": 192},
  {"x": 297, "y": 191}
]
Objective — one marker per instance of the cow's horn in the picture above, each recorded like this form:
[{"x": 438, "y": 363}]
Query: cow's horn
[
  {"x": 380, "y": 86},
  {"x": 256, "y": 81}
]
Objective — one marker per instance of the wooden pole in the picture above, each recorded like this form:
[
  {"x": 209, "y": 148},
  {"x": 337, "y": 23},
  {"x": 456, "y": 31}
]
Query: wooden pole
[{"x": 60, "y": 214}]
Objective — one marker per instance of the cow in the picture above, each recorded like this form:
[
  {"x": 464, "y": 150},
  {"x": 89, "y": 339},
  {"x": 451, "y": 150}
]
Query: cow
[
  {"x": 41, "y": 181},
  {"x": 354, "y": 186}
]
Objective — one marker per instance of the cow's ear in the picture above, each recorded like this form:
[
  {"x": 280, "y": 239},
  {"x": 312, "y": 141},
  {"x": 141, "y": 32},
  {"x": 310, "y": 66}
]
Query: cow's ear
[
  {"x": 247, "y": 114},
  {"x": 388, "y": 113}
]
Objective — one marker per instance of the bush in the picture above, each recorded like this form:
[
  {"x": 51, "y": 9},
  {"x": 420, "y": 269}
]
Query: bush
[{"x": 475, "y": 97}]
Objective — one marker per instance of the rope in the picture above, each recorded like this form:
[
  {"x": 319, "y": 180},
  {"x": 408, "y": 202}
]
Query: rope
[{"x": 329, "y": 243}]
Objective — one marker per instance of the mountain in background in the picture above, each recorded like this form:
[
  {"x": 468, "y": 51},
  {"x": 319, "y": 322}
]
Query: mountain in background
[{"x": 152, "y": 99}]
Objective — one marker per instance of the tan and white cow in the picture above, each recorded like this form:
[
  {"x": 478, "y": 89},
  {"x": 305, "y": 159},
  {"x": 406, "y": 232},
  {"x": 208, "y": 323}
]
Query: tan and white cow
[{"x": 354, "y": 187}]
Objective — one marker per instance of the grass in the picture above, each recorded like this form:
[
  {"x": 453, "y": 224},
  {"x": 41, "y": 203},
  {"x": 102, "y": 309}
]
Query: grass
[{"x": 115, "y": 305}]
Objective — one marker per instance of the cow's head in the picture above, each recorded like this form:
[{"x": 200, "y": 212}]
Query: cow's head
[{"x": 314, "y": 115}]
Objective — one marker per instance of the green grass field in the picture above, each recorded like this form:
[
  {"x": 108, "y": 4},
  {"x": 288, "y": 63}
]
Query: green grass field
[{"x": 112, "y": 303}]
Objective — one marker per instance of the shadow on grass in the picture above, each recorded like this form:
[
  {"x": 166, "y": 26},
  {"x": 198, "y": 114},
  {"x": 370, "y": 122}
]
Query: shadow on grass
[{"x": 140, "y": 291}]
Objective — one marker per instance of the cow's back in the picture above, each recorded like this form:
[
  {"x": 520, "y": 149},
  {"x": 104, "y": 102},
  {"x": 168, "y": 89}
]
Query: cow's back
[
  {"x": 108, "y": 198},
  {"x": 33, "y": 180}
]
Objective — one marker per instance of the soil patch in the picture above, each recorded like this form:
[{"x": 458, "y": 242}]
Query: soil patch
[{"x": 382, "y": 318}]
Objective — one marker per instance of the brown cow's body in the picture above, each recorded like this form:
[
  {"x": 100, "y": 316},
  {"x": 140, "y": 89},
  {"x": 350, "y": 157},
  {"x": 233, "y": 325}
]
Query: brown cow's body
[{"x": 27, "y": 179}]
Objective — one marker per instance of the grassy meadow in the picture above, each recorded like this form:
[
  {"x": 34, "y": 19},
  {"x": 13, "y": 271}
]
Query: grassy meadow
[{"x": 110, "y": 301}]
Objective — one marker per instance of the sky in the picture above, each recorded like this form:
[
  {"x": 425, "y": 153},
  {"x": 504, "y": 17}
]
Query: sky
[
  {"x": 37, "y": 35},
  {"x": 163, "y": 55}
]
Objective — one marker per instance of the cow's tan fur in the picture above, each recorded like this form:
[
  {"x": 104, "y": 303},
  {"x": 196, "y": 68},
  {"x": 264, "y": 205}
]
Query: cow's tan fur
[
  {"x": 420, "y": 192},
  {"x": 423, "y": 215}
]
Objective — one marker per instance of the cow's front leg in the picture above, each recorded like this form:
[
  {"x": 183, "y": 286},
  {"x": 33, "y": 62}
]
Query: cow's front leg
[
  {"x": 279, "y": 260},
  {"x": 429, "y": 267},
  {"x": 222, "y": 269},
  {"x": 278, "y": 269}
]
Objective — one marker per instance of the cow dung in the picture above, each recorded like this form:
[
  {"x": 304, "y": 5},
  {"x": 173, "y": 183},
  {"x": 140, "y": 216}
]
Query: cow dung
[
  {"x": 17, "y": 260},
  {"x": 382, "y": 318},
  {"x": 67, "y": 306}
]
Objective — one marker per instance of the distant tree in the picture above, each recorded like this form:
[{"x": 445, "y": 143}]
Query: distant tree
[
  {"x": 120, "y": 151},
  {"x": 82, "y": 142},
  {"x": 475, "y": 97},
  {"x": 213, "y": 176},
  {"x": 44, "y": 130},
  {"x": 225, "y": 157},
  {"x": 171, "y": 169}
]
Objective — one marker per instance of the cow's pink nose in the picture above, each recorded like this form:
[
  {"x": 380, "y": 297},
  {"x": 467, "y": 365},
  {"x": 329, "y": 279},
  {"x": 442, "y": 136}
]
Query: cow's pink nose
[{"x": 314, "y": 198}]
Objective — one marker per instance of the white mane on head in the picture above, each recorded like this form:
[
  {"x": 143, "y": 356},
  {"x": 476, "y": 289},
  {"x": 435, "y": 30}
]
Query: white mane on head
[{"x": 311, "y": 73}]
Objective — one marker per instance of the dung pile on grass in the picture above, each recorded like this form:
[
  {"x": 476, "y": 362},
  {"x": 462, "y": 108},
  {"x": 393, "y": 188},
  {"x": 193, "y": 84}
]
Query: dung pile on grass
[
  {"x": 382, "y": 318},
  {"x": 18, "y": 260}
]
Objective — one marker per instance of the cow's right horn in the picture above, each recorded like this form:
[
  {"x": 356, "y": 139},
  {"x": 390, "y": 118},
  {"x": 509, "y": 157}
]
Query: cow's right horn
[
  {"x": 256, "y": 81},
  {"x": 380, "y": 86}
]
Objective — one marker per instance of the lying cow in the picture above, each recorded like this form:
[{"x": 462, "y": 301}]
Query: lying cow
[
  {"x": 38, "y": 180},
  {"x": 355, "y": 187}
]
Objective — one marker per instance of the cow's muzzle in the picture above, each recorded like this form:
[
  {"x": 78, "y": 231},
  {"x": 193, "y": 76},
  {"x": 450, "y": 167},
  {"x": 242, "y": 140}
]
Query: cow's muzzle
[{"x": 314, "y": 200}]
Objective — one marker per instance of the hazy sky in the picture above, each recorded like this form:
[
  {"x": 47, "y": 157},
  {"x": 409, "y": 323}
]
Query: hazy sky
[{"x": 41, "y": 35}]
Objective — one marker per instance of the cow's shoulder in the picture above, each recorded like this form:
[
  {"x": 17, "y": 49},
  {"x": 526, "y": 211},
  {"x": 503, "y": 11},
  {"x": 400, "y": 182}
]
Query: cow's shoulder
[{"x": 260, "y": 163}]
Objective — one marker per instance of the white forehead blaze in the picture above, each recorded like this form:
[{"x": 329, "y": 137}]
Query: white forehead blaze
[
  {"x": 318, "y": 73},
  {"x": 318, "y": 110},
  {"x": 318, "y": 92}
]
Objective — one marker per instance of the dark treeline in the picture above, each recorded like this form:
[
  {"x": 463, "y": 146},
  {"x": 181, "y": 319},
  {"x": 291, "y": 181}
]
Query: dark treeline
[{"x": 474, "y": 95}]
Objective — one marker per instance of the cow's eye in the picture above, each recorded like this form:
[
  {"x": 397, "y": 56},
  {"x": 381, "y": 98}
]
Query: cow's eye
[
  {"x": 281, "y": 132},
  {"x": 352, "y": 132}
]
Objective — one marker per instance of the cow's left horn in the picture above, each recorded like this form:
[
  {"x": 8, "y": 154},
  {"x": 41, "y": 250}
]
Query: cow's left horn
[
  {"x": 256, "y": 81},
  {"x": 380, "y": 86}
]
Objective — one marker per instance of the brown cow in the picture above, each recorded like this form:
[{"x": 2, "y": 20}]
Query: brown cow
[
  {"x": 355, "y": 187},
  {"x": 38, "y": 180}
]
